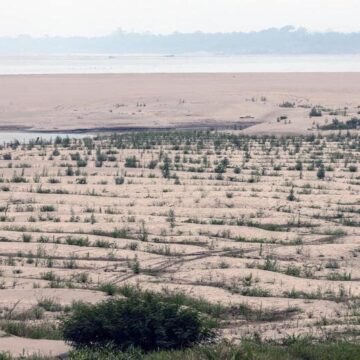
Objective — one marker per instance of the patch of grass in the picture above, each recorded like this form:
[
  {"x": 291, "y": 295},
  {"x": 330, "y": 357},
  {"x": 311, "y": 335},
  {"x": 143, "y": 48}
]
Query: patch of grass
[
  {"x": 291, "y": 349},
  {"x": 49, "y": 304},
  {"x": 43, "y": 330},
  {"x": 8, "y": 356}
]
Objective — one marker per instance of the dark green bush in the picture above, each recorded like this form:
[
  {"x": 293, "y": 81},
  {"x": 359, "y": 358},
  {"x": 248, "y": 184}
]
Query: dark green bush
[
  {"x": 315, "y": 112},
  {"x": 81, "y": 163},
  {"x": 47, "y": 208},
  {"x": 152, "y": 164},
  {"x": 119, "y": 180},
  {"x": 81, "y": 181},
  {"x": 321, "y": 172},
  {"x": 131, "y": 162},
  {"x": 141, "y": 321}
]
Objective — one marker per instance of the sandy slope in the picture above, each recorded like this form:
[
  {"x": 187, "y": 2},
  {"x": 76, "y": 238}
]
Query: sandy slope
[{"x": 160, "y": 100}]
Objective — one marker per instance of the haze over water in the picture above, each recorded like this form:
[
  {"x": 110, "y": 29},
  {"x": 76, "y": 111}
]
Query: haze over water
[{"x": 107, "y": 64}]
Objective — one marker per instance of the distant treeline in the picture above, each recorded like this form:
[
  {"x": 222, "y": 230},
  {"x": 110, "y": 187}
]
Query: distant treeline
[{"x": 287, "y": 40}]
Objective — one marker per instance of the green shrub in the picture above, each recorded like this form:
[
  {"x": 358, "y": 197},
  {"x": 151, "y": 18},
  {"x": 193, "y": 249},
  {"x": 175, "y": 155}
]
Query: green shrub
[
  {"x": 321, "y": 172},
  {"x": 291, "y": 196},
  {"x": 109, "y": 289},
  {"x": 315, "y": 112},
  {"x": 152, "y": 164},
  {"x": 81, "y": 163},
  {"x": 47, "y": 208},
  {"x": 77, "y": 241},
  {"x": 353, "y": 168},
  {"x": 81, "y": 181},
  {"x": 139, "y": 321},
  {"x": 119, "y": 180},
  {"x": 131, "y": 162},
  {"x": 26, "y": 238}
]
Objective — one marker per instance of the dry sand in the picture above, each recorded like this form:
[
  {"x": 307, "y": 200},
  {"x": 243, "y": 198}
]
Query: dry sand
[
  {"x": 28, "y": 347},
  {"x": 68, "y": 102},
  {"x": 222, "y": 247},
  {"x": 304, "y": 272}
]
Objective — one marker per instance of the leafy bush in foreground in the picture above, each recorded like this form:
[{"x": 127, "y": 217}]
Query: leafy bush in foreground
[{"x": 138, "y": 321}]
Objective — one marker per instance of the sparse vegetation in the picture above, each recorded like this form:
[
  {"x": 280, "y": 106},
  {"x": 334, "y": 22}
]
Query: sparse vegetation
[{"x": 232, "y": 219}]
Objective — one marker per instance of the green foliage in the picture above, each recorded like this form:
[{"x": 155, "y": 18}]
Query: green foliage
[
  {"x": 139, "y": 321},
  {"x": 287, "y": 104},
  {"x": 290, "y": 349},
  {"x": 353, "y": 123},
  {"x": 315, "y": 112},
  {"x": 131, "y": 162},
  {"x": 353, "y": 168},
  {"x": 166, "y": 168},
  {"x": 221, "y": 167},
  {"x": 321, "y": 172},
  {"x": 119, "y": 180},
  {"x": 298, "y": 165},
  {"x": 47, "y": 208},
  {"x": 77, "y": 241},
  {"x": 26, "y": 238},
  {"x": 109, "y": 289},
  {"x": 171, "y": 218},
  {"x": 32, "y": 331},
  {"x": 291, "y": 196},
  {"x": 7, "y": 356},
  {"x": 69, "y": 171}
]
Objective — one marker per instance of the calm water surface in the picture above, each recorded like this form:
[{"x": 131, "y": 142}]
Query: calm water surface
[{"x": 93, "y": 64}]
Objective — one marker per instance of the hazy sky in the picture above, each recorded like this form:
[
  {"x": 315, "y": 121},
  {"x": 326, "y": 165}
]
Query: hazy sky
[{"x": 100, "y": 17}]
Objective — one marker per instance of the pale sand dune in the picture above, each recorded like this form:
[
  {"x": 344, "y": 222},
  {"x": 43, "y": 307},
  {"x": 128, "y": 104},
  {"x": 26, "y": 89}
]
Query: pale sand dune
[{"x": 51, "y": 102}]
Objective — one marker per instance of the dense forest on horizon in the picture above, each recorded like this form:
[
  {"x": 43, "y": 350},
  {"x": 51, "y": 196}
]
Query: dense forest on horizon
[{"x": 286, "y": 40}]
